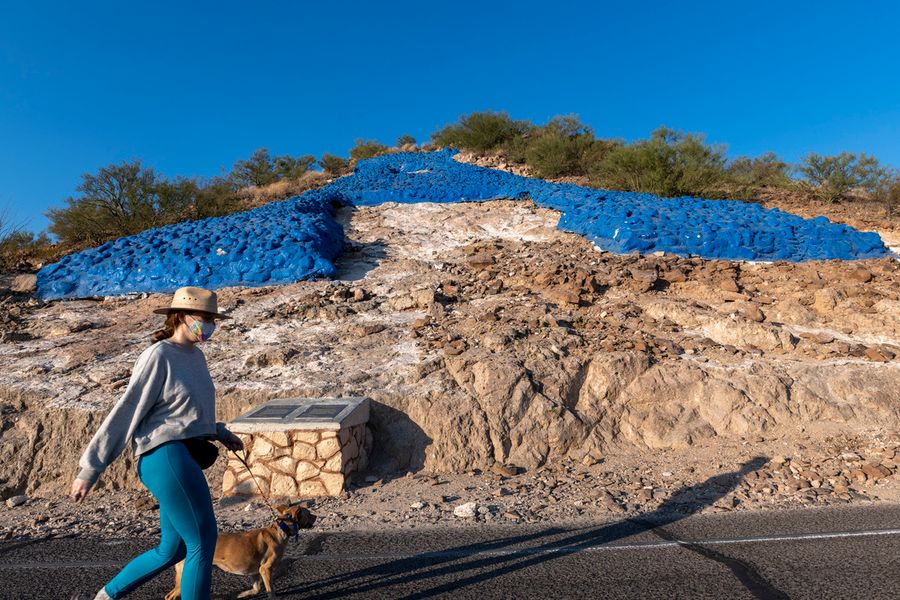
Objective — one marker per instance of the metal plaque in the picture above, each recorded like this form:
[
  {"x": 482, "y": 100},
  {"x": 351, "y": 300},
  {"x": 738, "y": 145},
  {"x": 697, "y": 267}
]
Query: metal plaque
[
  {"x": 304, "y": 414},
  {"x": 322, "y": 411},
  {"x": 274, "y": 411}
]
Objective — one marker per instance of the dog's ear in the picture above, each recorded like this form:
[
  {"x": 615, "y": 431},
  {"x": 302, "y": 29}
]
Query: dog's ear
[
  {"x": 304, "y": 517},
  {"x": 281, "y": 508}
]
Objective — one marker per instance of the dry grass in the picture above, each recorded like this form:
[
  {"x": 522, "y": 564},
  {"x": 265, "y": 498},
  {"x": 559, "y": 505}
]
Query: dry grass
[{"x": 254, "y": 197}]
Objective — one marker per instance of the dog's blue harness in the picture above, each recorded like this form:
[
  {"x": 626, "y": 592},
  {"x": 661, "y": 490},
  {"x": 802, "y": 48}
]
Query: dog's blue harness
[{"x": 287, "y": 530}]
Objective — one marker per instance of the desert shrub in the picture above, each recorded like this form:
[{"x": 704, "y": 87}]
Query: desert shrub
[
  {"x": 596, "y": 152},
  {"x": 261, "y": 170},
  {"x": 832, "y": 177},
  {"x": 125, "y": 199},
  {"x": 367, "y": 149},
  {"x": 119, "y": 200},
  {"x": 177, "y": 199},
  {"x": 11, "y": 238},
  {"x": 252, "y": 197},
  {"x": 565, "y": 146},
  {"x": 22, "y": 250},
  {"x": 334, "y": 165},
  {"x": 554, "y": 155},
  {"x": 8, "y": 228},
  {"x": 204, "y": 198},
  {"x": 516, "y": 149},
  {"x": 747, "y": 175},
  {"x": 181, "y": 198},
  {"x": 670, "y": 163},
  {"x": 567, "y": 126},
  {"x": 481, "y": 131},
  {"x": 766, "y": 170},
  {"x": 257, "y": 170},
  {"x": 81, "y": 224},
  {"x": 558, "y": 147},
  {"x": 290, "y": 167},
  {"x": 888, "y": 193},
  {"x": 405, "y": 140}
]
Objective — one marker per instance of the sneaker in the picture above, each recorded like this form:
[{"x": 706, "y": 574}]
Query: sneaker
[{"x": 102, "y": 595}]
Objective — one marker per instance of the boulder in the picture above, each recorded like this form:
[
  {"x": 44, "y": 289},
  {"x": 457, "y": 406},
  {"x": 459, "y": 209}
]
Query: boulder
[{"x": 24, "y": 284}]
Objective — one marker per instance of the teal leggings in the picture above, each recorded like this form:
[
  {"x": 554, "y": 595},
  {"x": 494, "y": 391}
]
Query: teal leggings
[{"x": 186, "y": 522}]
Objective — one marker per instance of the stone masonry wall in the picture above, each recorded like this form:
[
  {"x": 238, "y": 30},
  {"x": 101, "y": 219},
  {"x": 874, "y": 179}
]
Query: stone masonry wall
[{"x": 298, "y": 463}]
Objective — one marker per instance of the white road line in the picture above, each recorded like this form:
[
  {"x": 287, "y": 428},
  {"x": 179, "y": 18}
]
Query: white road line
[
  {"x": 533, "y": 551},
  {"x": 804, "y": 536},
  {"x": 751, "y": 540},
  {"x": 573, "y": 549}
]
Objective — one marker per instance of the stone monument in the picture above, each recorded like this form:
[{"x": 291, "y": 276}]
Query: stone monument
[{"x": 299, "y": 447}]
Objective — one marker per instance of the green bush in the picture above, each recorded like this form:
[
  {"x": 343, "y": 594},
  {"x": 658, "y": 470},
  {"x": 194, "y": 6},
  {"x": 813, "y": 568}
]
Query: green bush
[
  {"x": 216, "y": 197},
  {"x": 481, "y": 132},
  {"x": 8, "y": 229},
  {"x": 19, "y": 249},
  {"x": 833, "y": 177},
  {"x": 99, "y": 213},
  {"x": 888, "y": 193},
  {"x": 258, "y": 170},
  {"x": 183, "y": 199},
  {"x": 553, "y": 155},
  {"x": 766, "y": 170},
  {"x": 567, "y": 126},
  {"x": 334, "y": 165},
  {"x": 561, "y": 147},
  {"x": 289, "y": 167},
  {"x": 670, "y": 163},
  {"x": 597, "y": 152},
  {"x": 11, "y": 238},
  {"x": 261, "y": 170},
  {"x": 745, "y": 176},
  {"x": 367, "y": 149},
  {"x": 516, "y": 149},
  {"x": 119, "y": 200},
  {"x": 125, "y": 199},
  {"x": 177, "y": 198}
]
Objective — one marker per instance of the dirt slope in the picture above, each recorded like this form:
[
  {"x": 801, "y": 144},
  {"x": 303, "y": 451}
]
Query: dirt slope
[{"x": 486, "y": 336}]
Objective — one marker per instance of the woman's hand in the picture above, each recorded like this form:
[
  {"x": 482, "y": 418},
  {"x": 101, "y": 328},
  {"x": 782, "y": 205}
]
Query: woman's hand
[
  {"x": 232, "y": 442},
  {"x": 80, "y": 489}
]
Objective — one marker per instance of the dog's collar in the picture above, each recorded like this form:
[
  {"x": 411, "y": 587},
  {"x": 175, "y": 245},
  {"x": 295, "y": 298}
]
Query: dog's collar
[{"x": 283, "y": 527}]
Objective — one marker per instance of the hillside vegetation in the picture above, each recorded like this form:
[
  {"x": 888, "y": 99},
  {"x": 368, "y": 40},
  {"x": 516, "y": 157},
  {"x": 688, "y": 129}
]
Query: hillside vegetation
[{"x": 129, "y": 197}]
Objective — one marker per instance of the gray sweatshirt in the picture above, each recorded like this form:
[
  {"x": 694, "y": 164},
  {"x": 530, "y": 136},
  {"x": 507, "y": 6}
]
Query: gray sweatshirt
[{"x": 170, "y": 397}]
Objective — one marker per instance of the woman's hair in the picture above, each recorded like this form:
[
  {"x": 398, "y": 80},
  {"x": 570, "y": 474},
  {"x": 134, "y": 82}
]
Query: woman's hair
[{"x": 168, "y": 329}]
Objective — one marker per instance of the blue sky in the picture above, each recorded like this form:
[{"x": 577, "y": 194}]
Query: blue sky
[{"x": 190, "y": 87}]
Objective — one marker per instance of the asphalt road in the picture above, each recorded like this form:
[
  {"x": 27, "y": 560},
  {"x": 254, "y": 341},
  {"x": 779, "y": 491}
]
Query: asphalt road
[{"x": 810, "y": 553}]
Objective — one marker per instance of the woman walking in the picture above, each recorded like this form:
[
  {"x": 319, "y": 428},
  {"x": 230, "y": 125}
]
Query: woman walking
[{"x": 168, "y": 412}]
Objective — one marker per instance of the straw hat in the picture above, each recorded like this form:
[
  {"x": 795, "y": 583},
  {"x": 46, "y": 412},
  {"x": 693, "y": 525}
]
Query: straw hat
[{"x": 193, "y": 299}]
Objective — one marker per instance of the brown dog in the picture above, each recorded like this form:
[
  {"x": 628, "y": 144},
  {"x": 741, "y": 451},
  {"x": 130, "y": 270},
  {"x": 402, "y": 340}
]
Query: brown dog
[{"x": 255, "y": 552}]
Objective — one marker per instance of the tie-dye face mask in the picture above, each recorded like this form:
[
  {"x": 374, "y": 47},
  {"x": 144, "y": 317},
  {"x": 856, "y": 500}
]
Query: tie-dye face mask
[{"x": 201, "y": 330}]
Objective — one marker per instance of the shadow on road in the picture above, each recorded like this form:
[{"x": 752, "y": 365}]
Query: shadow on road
[
  {"x": 9, "y": 547},
  {"x": 502, "y": 556}
]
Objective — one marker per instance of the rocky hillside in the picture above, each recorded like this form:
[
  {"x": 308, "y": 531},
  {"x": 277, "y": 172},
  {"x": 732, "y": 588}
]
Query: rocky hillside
[
  {"x": 299, "y": 238},
  {"x": 488, "y": 338}
]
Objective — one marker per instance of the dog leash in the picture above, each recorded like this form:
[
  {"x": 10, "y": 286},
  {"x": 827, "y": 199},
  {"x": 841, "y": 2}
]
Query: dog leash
[{"x": 259, "y": 487}]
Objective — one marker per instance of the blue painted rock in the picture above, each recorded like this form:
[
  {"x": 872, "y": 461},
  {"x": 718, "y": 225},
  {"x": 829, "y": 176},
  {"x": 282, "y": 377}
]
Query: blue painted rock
[{"x": 298, "y": 238}]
